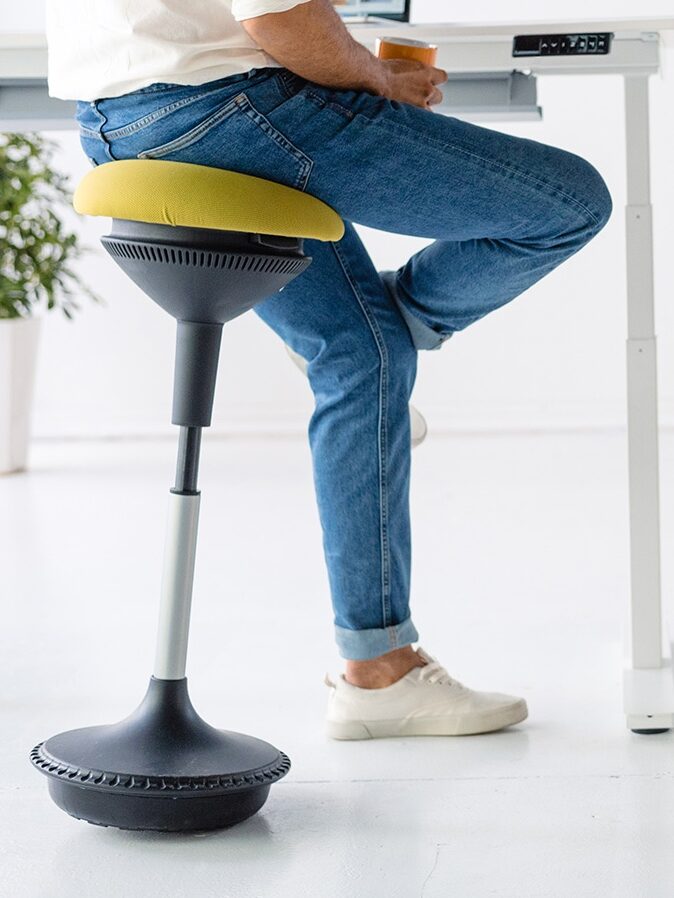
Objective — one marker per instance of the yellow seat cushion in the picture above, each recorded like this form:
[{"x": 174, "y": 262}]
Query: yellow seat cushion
[{"x": 198, "y": 196}]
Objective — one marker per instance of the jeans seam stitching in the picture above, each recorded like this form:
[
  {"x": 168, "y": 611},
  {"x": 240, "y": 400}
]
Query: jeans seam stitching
[
  {"x": 322, "y": 103},
  {"x": 106, "y": 144},
  {"x": 525, "y": 176},
  {"x": 382, "y": 441},
  {"x": 89, "y": 133},
  {"x": 284, "y": 143},
  {"x": 195, "y": 133},
  {"x": 152, "y": 117}
]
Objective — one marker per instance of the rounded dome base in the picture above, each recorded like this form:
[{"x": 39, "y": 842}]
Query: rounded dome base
[{"x": 163, "y": 768}]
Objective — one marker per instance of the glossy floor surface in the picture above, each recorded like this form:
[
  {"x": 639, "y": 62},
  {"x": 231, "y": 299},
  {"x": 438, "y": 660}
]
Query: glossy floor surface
[{"x": 520, "y": 585}]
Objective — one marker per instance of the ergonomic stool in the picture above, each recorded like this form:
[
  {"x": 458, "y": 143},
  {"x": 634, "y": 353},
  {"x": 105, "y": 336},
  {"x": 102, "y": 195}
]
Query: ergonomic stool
[{"x": 206, "y": 245}]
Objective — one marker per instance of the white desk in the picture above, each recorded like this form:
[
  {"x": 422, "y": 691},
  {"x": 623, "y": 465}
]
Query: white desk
[{"x": 482, "y": 55}]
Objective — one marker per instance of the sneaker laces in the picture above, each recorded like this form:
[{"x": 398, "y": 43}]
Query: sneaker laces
[{"x": 434, "y": 672}]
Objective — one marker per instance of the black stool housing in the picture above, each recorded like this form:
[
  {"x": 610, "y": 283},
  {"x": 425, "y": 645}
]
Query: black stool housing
[{"x": 163, "y": 768}]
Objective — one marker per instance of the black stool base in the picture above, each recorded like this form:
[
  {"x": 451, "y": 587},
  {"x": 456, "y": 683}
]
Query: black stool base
[
  {"x": 177, "y": 814},
  {"x": 163, "y": 768}
]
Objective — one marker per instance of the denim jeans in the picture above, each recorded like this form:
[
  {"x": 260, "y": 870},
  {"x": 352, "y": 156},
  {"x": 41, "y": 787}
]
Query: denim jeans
[{"x": 502, "y": 212}]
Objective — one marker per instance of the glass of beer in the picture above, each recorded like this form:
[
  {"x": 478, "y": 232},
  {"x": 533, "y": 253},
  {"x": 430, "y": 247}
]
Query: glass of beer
[{"x": 405, "y": 48}]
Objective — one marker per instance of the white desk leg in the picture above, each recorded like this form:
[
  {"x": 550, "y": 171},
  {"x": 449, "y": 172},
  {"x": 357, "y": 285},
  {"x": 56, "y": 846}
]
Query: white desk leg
[{"x": 648, "y": 681}]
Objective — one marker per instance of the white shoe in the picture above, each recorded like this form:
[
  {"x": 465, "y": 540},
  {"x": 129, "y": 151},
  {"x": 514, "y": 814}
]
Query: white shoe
[
  {"x": 425, "y": 702},
  {"x": 418, "y": 426}
]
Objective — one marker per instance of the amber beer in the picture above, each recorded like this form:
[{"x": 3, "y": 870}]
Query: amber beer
[{"x": 404, "y": 48}]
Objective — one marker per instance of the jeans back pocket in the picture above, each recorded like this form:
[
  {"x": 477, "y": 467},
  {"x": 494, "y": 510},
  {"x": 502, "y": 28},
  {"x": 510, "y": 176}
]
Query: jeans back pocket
[{"x": 234, "y": 136}]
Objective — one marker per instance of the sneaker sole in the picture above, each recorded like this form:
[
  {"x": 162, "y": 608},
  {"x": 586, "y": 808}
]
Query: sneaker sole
[{"x": 429, "y": 726}]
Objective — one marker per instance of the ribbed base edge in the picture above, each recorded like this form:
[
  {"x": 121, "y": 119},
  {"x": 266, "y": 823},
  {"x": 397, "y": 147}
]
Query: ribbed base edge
[
  {"x": 179, "y": 813},
  {"x": 162, "y": 768}
]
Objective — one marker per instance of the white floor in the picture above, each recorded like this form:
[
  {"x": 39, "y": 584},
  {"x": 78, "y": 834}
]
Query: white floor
[{"x": 520, "y": 584}]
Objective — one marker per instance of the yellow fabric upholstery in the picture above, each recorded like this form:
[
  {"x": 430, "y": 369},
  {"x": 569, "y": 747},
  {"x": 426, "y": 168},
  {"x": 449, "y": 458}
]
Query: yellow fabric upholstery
[{"x": 180, "y": 193}]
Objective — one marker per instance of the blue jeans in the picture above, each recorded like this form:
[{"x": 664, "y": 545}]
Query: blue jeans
[{"x": 503, "y": 212}]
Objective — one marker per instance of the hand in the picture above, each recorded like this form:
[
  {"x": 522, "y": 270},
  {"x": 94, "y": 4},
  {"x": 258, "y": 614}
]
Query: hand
[{"x": 410, "y": 81}]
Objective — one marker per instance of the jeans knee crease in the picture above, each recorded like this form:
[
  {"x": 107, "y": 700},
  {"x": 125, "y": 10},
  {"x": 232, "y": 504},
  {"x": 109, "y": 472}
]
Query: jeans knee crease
[{"x": 568, "y": 200}]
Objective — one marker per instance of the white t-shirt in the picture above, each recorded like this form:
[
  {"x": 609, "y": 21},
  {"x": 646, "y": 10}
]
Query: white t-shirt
[{"x": 105, "y": 48}]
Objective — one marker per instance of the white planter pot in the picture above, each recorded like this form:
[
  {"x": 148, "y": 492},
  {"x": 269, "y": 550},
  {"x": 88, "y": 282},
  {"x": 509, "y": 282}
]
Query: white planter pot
[{"x": 19, "y": 338}]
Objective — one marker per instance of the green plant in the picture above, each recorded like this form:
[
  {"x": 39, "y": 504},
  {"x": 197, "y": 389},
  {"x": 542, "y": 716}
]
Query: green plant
[{"x": 36, "y": 248}]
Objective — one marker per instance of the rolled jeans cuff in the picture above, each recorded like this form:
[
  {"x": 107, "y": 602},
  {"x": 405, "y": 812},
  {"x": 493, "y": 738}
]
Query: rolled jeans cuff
[
  {"x": 361, "y": 645},
  {"x": 423, "y": 336}
]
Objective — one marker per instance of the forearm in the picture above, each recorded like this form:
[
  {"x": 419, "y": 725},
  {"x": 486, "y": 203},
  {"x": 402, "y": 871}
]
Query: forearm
[{"x": 312, "y": 41}]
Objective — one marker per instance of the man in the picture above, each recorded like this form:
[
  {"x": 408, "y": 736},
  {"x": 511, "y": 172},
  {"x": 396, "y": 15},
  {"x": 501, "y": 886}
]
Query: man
[{"x": 279, "y": 89}]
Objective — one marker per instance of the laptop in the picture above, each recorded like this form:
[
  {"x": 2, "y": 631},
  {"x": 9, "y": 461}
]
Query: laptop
[{"x": 371, "y": 10}]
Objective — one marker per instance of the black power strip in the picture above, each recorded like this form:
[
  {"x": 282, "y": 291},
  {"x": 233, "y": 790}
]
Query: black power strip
[{"x": 562, "y": 44}]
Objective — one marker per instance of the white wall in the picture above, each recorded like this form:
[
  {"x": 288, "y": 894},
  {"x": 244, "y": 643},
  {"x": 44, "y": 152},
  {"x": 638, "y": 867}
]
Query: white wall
[
  {"x": 554, "y": 357},
  {"x": 27, "y": 16}
]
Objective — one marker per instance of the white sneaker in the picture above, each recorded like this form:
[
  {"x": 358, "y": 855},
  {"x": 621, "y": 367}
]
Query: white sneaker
[{"x": 425, "y": 702}]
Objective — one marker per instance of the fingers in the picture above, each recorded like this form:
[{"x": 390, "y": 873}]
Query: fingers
[
  {"x": 406, "y": 65},
  {"x": 435, "y": 97},
  {"x": 414, "y": 82},
  {"x": 437, "y": 76}
]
